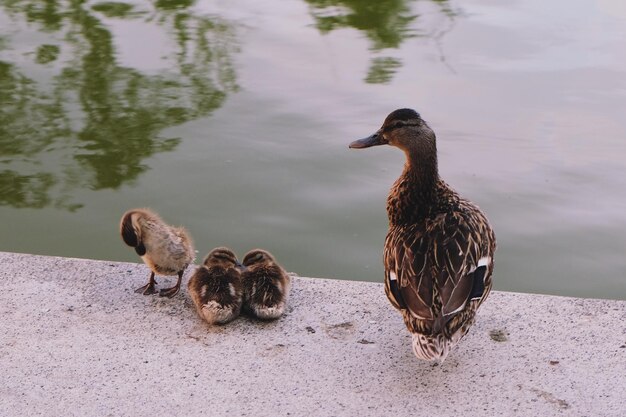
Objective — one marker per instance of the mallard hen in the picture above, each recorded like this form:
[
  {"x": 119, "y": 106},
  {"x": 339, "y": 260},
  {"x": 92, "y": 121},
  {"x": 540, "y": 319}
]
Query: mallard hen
[
  {"x": 167, "y": 250},
  {"x": 266, "y": 285},
  {"x": 215, "y": 287},
  {"x": 439, "y": 249}
]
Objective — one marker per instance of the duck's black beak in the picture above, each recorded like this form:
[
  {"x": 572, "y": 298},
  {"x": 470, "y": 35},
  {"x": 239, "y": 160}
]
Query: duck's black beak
[{"x": 375, "y": 140}]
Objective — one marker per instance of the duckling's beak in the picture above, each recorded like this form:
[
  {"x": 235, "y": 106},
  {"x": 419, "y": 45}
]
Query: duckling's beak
[
  {"x": 240, "y": 266},
  {"x": 375, "y": 140}
]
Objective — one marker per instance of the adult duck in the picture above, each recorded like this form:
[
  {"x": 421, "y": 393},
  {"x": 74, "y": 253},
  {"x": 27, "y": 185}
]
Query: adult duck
[{"x": 439, "y": 249}]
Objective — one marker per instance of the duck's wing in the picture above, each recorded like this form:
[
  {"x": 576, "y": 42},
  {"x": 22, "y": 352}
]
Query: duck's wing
[
  {"x": 181, "y": 245},
  {"x": 407, "y": 281},
  {"x": 439, "y": 267},
  {"x": 464, "y": 246}
]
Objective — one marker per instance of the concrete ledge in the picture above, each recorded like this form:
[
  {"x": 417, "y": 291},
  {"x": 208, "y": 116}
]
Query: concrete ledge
[{"x": 76, "y": 340}]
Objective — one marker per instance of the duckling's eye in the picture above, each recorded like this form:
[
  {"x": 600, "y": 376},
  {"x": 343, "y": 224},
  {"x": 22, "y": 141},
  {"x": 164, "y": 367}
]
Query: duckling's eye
[
  {"x": 257, "y": 257},
  {"x": 224, "y": 256}
]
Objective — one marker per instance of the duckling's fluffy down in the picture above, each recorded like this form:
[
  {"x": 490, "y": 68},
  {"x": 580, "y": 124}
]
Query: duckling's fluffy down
[
  {"x": 268, "y": 313},
  {"x": 216, "y": 313},
  {"x": 216, "y": 293},
  {"x": 266, "y": 289}
]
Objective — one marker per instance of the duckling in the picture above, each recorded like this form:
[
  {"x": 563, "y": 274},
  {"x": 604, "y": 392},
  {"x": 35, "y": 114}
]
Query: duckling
[
  {"x": 216, "y": 288},
  {"x": 439, "y": 249},
  {"x": 167, "y": 250},
  {"x": 266, "y": 285}
]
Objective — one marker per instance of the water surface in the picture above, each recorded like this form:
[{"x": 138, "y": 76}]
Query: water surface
[{"x": 233, "y": 119}]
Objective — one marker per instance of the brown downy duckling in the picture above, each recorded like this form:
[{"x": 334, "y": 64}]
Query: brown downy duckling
[
  {"x": 216, "y": 288},
  {"x": 266, "y": 285},
  {"x": 167, "y": 250},
  {"x": 439, "y": 249}
]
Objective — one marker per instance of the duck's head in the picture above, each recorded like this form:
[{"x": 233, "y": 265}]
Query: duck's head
[
  {"x": 131, "y": 231},
  {"x": 404, "y": 129},
  {"x": 222, "y": 256},
  {"x": 258, "y": 256}
]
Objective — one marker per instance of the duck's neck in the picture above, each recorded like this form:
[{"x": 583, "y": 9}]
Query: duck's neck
[{"x": 415, "y": 193}]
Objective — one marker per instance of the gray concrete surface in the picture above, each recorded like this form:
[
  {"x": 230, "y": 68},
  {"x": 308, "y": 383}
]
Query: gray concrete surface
[{"x": 76, "y": 340}]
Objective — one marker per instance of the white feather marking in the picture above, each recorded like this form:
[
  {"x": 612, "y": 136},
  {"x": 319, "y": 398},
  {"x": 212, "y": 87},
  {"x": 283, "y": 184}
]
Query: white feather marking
[
  {"x": 484, "y": 261},
  {"x": 203, "y": 291},
  {"x": 231, "y": 288},
  {"x": 392, "y": 276}
]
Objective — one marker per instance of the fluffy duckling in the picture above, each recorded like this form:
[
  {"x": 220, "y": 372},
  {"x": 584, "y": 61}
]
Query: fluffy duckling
[
  {"x": 439, "y": 249},
  {"x": 266, "y": 285},
  {"x": 216, "y": 288},
  {"x": 167, "y": 250}
]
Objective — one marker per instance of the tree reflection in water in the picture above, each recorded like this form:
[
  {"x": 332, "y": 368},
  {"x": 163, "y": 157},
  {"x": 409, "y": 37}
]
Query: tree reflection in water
[
  {"x": 90, "y": 122},
  {"x": 386, "y": 23}
]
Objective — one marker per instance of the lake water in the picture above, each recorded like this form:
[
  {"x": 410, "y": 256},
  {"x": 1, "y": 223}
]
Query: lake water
[{"x": 232, "y": 118}]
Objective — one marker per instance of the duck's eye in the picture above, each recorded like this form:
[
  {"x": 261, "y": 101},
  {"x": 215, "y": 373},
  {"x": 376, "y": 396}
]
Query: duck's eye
[{"x": 393, "y": 126}]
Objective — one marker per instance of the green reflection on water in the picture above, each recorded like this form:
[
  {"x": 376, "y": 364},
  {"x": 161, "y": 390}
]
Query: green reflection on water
[
  {"x": 113, "y": 9},
  {"x": 386, "y": 23},
  {"x": 96, "y": 121},
  {"x": 382, "y": 70}
]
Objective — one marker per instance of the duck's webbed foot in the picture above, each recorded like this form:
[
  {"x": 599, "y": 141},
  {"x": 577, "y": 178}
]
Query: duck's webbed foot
[
  {"x": 169, "y": 292},
  {"x": 149, "y": 288},
  {"x": 172, "y": 291}
]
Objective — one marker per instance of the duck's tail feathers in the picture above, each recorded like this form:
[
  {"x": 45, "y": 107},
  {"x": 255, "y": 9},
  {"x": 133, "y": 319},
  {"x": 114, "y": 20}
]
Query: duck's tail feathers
[{"x": 431, "y": 347}]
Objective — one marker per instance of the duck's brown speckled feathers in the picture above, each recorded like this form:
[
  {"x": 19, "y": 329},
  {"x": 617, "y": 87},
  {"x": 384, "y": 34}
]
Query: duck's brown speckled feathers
[
  {"x": 216, "y": 288},
  {"x": 266, "y": 285},
  {"x": 439, "y": 250},
  {"x": 167, "y": 250}
]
